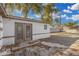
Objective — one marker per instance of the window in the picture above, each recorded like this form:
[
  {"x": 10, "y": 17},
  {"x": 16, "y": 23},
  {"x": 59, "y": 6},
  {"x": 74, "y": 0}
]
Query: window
[{"x": 45, "y": 27}]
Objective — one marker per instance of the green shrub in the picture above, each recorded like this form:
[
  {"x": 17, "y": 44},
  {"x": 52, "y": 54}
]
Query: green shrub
[{"x": 70, "y": 24}]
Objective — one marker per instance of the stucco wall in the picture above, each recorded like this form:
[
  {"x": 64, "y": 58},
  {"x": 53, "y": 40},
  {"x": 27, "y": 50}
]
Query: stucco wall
[{"x": 38, "y": 31}]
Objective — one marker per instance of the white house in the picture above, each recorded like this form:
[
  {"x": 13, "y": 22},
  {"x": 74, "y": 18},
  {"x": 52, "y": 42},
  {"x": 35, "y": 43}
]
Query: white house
[{"x": 16, "y": 29}]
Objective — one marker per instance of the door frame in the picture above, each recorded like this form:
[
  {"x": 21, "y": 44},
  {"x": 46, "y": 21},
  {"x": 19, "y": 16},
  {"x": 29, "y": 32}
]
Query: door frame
[{"x": 22, "y": 31}]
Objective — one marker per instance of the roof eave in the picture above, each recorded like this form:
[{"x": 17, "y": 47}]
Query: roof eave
[{"x": 4, "y": 14}]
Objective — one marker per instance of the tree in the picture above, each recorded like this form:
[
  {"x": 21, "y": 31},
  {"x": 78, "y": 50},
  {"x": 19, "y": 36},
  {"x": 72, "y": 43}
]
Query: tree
[
  {"x": 71, "y": 24},
  {"x": 9, "y": 8},
  {"x": 48, "y": 10},
  {"x": 45, "y": 11},
  {"x": 24, "y": 7}
]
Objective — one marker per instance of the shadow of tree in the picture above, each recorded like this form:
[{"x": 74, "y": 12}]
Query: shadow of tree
[{"x": 67, "y": 41}]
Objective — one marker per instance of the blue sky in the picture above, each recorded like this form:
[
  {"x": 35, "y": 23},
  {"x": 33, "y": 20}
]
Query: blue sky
[{"x": 69, "y": 12}]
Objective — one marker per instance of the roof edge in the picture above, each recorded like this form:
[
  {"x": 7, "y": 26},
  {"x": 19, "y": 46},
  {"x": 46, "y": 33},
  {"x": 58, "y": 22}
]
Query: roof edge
[{"x": 5, "y": 15}]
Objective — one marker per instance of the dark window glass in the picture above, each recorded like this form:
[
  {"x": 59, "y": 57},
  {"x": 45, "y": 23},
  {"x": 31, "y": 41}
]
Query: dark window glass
[{"x": 45, "y": 27}]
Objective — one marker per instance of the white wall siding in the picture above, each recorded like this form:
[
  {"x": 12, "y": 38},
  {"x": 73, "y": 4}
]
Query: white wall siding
[
  {"x": 38, "y": 31},
  {"x": 39, "y": 28},
  {"x": 8, "y": 41},
  {"x": 1, "y": 27},
  {"x": 36, "y": 37},
  {"x": 1, "y": 31},
  {"x": 8, "y": 28},
  {"x": 1, "y": 43}
]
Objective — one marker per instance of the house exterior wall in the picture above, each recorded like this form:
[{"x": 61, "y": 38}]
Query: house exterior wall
[
  {"x": 1, "y": 31},
  {"x": 1, "y": 26},
  {"x": 8, "y": 31},
  {"x": 38, "y": 31}
]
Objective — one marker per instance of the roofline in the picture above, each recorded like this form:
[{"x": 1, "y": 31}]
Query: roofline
[
  {"x": 17, "y": 17},
  {"x": 23, "y": 19}
]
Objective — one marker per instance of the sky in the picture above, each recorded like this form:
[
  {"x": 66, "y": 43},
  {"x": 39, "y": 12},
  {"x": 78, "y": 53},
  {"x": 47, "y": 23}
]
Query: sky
[{"x": 69, "y": 12}]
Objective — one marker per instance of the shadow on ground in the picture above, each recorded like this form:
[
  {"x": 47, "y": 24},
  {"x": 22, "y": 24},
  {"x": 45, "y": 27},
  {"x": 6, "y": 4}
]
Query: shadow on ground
[{"x": 67, "y": 41}]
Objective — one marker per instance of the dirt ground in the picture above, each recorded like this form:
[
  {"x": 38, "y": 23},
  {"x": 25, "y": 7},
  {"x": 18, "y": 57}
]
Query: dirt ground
[
  {"x": 59, "y": 44},
  {"x": 62, "y": 38}
]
